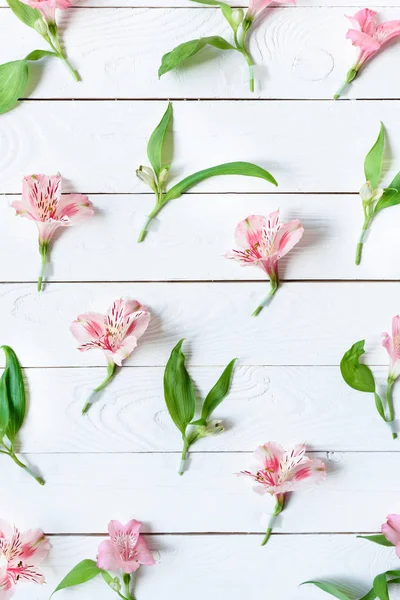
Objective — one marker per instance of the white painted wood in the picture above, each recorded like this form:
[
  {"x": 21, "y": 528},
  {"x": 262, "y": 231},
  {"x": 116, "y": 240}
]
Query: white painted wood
[
  {"x": 97, "y": 145},
  {"x": 83, "y": 491},
  {"x": 300, "y": 53},
  {"x": 264, "y": 403},
  {"x": 211, "y": 564},
  {"x": 305, "y": 324},
  {"x": 82, "y": 4},
  {"x": 194, "y": 232}
]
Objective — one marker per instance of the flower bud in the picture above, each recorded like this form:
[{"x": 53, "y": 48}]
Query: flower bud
[
  {"x": 147, "y": 175},
  {"x": 237, "y": 17},
  {"x": 115, "y": 584},
  {"x": 163, "y": 177},
  {"x": 41, "y": 27},
  {"x": 368, "y": 194},
  {"x": 213, "y": 427}
]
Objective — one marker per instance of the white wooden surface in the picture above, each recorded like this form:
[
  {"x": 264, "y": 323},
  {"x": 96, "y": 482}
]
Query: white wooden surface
[{"x": 121, "y": 460}]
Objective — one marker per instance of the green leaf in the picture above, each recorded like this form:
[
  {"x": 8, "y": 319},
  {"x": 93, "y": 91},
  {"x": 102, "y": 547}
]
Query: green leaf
[
  {"x": 218, "y": 392},
  {"x": 25, "y": 13},
  {"x": 38, "y": 54},
  {"x": 233, "y": 168},
  {"x": 356, "y": 375},
  {"x": 381, "y": 587},
  {"x": 156, "y": 141},
  {"x": 377, "y": 539},
  {"x": 13, "y": 78},
  {"x": 16, "y": 393},
  {"x": 379, "y": 406},
  {"x": 374, "y": 160},
  {"x": 4, "y": 404},
  {"x": 391, "y": 195},
  {"x": 179, "y": 391},
  {"x": 174, "y": 58},
  {"x": 329, "y": 588},
  {"x": 225, "y": 8},
  {"x": 82, "y": 572},
  {"x": 370, "y": 596}
]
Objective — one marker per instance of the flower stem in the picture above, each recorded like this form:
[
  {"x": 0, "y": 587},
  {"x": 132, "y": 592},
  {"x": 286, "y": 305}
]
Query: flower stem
[
  {"x": 280, "y": 500},
  {"x": 274, "y": 286},
  {"x": 389, "y": 401},
  {"x": 43, "y": 249},
  {"x": 360, "y": 244},
  {"x": 151, "y": 216},
  {"x": 111, "y": 370},
  {"x": 128, "y": 582},
  {"x": 25, "y": 467},
  {"x": 55, "y": 44},
  {"x": 184, "y": 455},
  {"x": 241, "y": 46},
  {"x": 352, "y": 74}
]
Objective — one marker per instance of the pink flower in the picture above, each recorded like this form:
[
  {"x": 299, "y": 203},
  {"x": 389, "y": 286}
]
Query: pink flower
[
  {"x": 391, "y": 531},
  {"x": 369, "y": 36},
  {"x": 116, "y": 333},
  {"x": 284, "y": 471},
  {"x": 264, "y": 242},
  {"x": 20, "y": 554},
  {"x": 48, "y": 7},
  {"x": 42, "y": 202},
  {"x": 256, "y": 7},
  {"x": 126, "y": 549},
  {"x": 392, "y": 345}
]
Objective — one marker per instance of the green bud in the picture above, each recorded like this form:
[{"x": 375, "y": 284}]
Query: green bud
[
  {"x": 213, "y": 427},
  {"x": 115, "y": 584},
  {"x": 41, "y": 27},
  {"x": 237, "y": 17},
  {"x": 163, "y": 177},
  {"x": 147, "y": 176}
]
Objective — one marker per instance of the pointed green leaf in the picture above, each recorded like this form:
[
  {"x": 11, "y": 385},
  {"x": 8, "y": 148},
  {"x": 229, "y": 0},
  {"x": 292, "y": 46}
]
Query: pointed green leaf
[
  {"x": 374, "y": 160},
  {"x": 381, "y": 587},
  {"x": 233, "y": 168},
  {"x": 25, "y": 13},
  {"x": 156, "y": 142},
  {"x": 38, "y": 54},
  {"x": 329, "y": 588},
  {"x": 356, "y": 375},
  {"x": 391, "y": 195},
  {"x": 174, "y": 58},
  {"x": 377, "y": 539},
  {"x": 218, "y": 392},
  {"x": 379, "y": 406},
  {"x": 16, "y": 393},
  {"x": 82, "y": 572},
  {"x": 13, "y": 78},
  {"x": 179, "y": 391},
  {"x": 4, "y": 404},
  {"x": 370, "y": 596}
]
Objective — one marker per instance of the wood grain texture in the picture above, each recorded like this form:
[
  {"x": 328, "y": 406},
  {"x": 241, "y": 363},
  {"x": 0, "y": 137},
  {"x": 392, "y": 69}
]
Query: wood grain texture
[
  {"x": 194, "y": 232},
  {"x": 264, "y": 403},
  {"x": 160, "y": 4},
  {"x": 306, "y": 324},
  {"x": 300, "y": 53},
  {"x": 85, "y": 490},
  {"x": 96, "y": 146},
  {"x": 214, "y": 562}
]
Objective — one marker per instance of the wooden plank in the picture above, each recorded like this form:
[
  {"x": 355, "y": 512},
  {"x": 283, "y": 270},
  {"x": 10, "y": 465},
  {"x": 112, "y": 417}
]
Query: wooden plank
[
  {"x": 193, "y": 244},
  {"x": 264, "y": 403},
  {"x": 299, "y": 52},
  {"x": 103, "y": 142},
  {"x": 85, "y": 490},
  {"x": 333, "y": 558},
  {"x": 306, "y": 324},
  {"x": 160, "y": 4}
]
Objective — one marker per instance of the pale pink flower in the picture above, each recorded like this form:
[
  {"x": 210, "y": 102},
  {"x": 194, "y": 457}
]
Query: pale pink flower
[
  {"x": 43, "y": 203},
  {"x": 392, "y": 345},
  {"x": 48, "y": 7},
  {"x": 20, "y": 554},
  {"x": 283, "y": 471},
  {"x": 369, "y": 36},
  {"x": 116, "y": 333},
  {"x": 391, "y": 531},
  {"x": 126, "y": 549},
  {"x": 263, "y": 241},
  {"x": 256, "y": 7}
]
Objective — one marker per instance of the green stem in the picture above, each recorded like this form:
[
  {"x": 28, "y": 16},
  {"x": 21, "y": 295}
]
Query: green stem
[
  {"x": 241, "y": 46},
  {"x": 351, "y": 75},
  {"x": 151, "y": 216},
  {"x": 360, "y": 244},
  {"x": 280, "y": 500},
  {"x": 111, "y": 370},
  {"x": 43, "y": 249},
  {"x": 274, "y": 286},
  {"x": 389, "y": 401},
  {"x": 55, "y": 44},
  {"x": 128, "y": 582},
  {"x": 26, "y": 468},
  {"x": 184, "y": 455}
]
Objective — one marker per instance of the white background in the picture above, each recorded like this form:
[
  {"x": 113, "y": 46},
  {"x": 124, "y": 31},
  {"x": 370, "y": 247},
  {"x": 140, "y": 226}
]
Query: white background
[{"x": 121, "y": 460}]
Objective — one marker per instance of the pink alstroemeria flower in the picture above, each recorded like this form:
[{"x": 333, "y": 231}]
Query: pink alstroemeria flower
[
  {"x": 126, "y": 549},
  {"x": 116, "y": 333},
  {"x": 256, "y": 7},
  {"x": 283, "y": 471},
  {"x": 43, "y": 203},
  {"x": 48, "y": 7},
  {"x": 392, "y": 345},
  {"x": 20, "y": 554},
  {"x": 369, "y": 36},
  {"x": 264, "y": 242},
  {"x": 391, "y": 531}
]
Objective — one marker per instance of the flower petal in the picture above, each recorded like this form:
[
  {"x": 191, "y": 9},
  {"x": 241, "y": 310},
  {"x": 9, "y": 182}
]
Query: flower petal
[
  {"x": 288, "y": 236},
  {"x": 388, "y": 31},
  {"x": 249, "y": 232},
  {"x": 74, "y": 208},
  {"x": 88, "y": 328},
  {"x": 363, "y": 41},
  {"x": 145, "y": 557}
]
